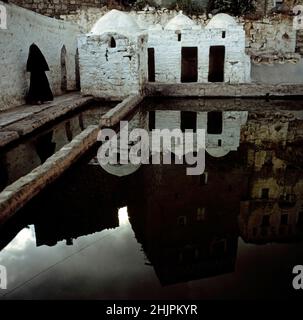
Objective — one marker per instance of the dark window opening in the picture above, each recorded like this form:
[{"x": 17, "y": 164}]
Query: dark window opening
[
  {"x": 216, "y": 64},
  {"x": 151, "y": 120},
  {"x": 151, "y": 65},
  {"x": 265, "y": 194},
  {"x": 179, "y": 37},
  {"x": 188, "y": 121},
  {"x": 189, "y": 67},
  {"x": 219, "y": 143},
  {"x": 265, "y": 221},
  {"x": 300, "y": 219},
  {"x": 112, "y": 42},
  {"x": 215, "y": 122},
  {"x": 223, "y": 34},
  {"x": 284, "y": 219}
]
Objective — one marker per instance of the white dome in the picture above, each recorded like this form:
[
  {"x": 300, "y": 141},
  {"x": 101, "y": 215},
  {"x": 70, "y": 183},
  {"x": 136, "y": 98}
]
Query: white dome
[
  {"x": 115, "y": 21},
  {"x": 221, "y": 21},
  {"x": 180, "y": 22}
]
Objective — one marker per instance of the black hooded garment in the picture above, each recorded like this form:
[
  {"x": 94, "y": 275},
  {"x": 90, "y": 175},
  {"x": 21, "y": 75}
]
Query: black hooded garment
[{"x": 39, "y": 86}]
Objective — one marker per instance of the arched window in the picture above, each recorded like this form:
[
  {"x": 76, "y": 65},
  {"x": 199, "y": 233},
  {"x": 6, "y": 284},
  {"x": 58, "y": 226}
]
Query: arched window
[{"x": 112, "y": 42}]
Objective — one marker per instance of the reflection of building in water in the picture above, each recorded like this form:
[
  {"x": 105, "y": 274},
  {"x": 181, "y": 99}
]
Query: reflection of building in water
[
  {"x": 187, "y": 225},
  {"x": 223, "y": 129},
  {"x": 274, "y": 209}
]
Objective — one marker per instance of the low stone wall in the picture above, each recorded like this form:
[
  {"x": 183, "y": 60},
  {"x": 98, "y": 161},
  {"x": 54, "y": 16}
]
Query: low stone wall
[
  {"x": 209, "y": 90},
  {"x": 57, "y": 7},
  {"x": 25, "y": 27}
]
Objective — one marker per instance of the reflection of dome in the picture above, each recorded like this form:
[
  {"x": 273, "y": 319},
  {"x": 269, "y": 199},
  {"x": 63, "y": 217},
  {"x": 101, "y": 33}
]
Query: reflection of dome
[
  {"x": 221, "y": 21},
  {"x": 217, "y": 152},
  {"x": 115, "y": 21},
  {"x": 180, "y": 22}
]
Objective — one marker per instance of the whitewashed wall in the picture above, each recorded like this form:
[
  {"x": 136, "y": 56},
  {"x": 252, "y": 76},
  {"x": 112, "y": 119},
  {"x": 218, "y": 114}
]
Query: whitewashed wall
[
  {"x": 112, "y": 72},
  {"x": 168, "y": 53},
  {"x": 23, "y": 28}
]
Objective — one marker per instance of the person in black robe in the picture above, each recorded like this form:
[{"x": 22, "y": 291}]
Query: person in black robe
[{"x": 39, "y": 90}]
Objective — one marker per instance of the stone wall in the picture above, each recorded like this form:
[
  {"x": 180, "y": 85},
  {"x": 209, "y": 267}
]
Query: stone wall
[
  {"x": 269, "y": 39},
  {"x": 168, "y": 53},
  {"x": 24, "y": 28},
  {"x": 55, "y": 8},
  {"x": 112, "y": 72}
]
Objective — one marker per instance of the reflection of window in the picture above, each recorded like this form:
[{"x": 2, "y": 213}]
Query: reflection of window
[
  {"x": 151, "y": 120},
  {"x": 265, "y": 221},
  {"x": 201, "y": 214},
  {"x": 277, "y": 3},
  {"x": 265, "y": 193},
  {"x": 264, "y": 232},
  {"x": 284, "y": 219},
  {"x": 214, "y": 122},
  {"x": 188, "y": 121},
  {"x": 182, "y": 220},
  {"x": 255, "y": 230},
  {"x": 112, "y": 42}
]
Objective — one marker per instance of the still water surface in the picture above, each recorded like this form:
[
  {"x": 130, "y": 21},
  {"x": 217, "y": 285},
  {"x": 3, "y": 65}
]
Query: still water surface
[{"x": 233, "y": 232}]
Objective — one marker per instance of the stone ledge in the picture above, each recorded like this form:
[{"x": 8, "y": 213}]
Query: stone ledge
[
  {"x": 35, "y": 119},
  {"x": 206, "y": 90},
  {"x": 16, "y": 195},
  {"x": 113, "y": 116}
]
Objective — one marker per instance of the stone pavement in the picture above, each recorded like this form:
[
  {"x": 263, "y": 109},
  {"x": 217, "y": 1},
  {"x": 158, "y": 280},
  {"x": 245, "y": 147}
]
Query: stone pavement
[{"x": 22, "y": 120}]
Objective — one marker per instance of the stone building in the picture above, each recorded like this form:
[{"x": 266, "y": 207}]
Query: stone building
[
  {"x": 112, "y": 57},
  {"x": 116, "y": 57},
  {"x": 186, "y": 52}
]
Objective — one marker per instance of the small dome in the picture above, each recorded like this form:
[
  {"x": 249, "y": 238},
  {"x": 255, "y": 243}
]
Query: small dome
[
  {"x": 180, "y": 22},
  {"x": 115, "y": 21},
  {"x": 221, "y": 21}
]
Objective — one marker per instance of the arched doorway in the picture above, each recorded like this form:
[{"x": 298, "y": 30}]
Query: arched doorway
[
  {"x": 77, "y": 70},
  {"x": 63, "y": 70}
]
